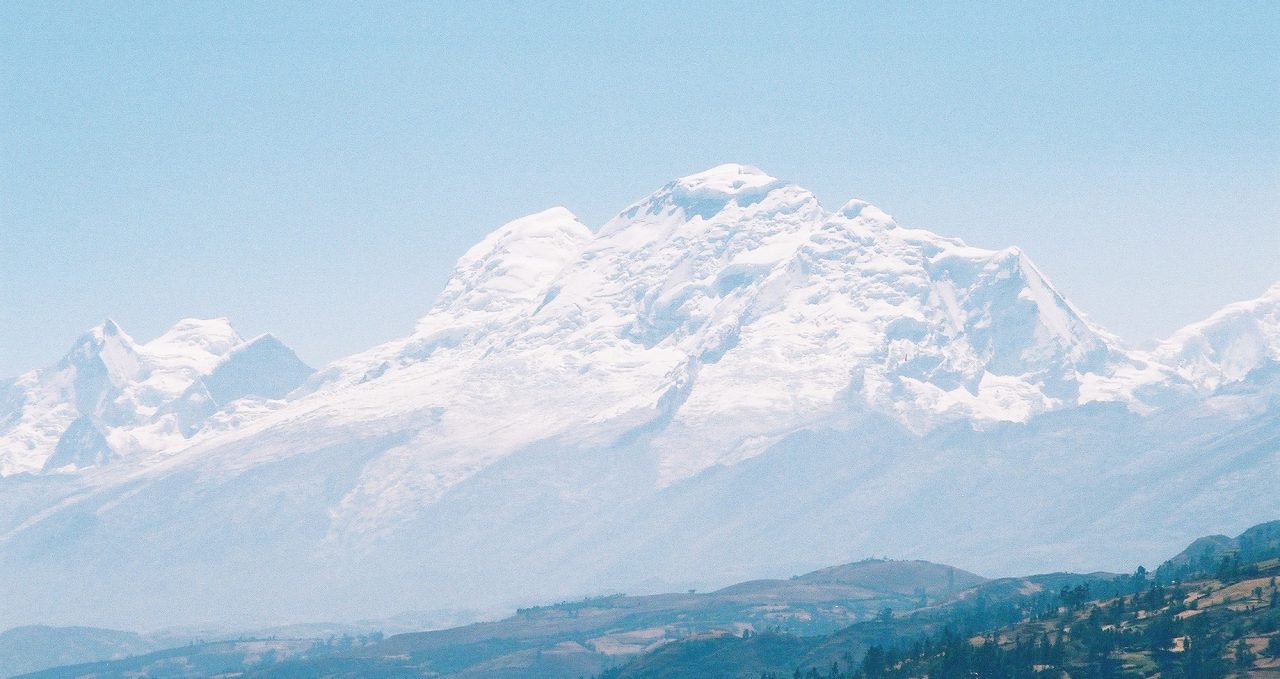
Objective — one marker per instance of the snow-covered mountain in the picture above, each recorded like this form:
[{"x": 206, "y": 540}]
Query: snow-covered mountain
[
  {"x": 111, "y": 396},
  {"x": 719, "y": 314},
  {"x": 727, "y": 377}
]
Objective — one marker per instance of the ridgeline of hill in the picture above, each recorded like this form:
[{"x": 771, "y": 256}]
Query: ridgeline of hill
[{"x": 1211, "y": 611}]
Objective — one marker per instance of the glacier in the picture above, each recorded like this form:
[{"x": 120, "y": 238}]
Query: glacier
[{"x": 725, "y": 381}]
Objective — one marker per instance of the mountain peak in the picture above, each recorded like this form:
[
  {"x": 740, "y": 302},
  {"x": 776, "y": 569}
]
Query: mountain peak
[
  {"x": 108, "y": 342},
  {"x": 203, "y": 327},
  {"x": 265, "y": 339},
  {"x": 724, "y": 353},
  {"x": 513, "y": 264},
  {"x": 550, "y": 222},
  {"x": 707, "y": 194},
  {"x": 1226, "y": 347},
  {"x": 728, "y": 179},
  {"x": 105, "y": 330},
  {"x": 263, "y": 366},
  {"x": 194, "y": 342}
]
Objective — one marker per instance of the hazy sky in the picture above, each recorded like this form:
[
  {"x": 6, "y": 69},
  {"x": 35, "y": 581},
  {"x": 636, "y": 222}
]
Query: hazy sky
[{"x": 314, "y": 169}]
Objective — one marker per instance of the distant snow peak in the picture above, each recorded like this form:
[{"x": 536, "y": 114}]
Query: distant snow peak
[
  {"x": 262, "y": 367},
  {"x": 108, "y": 328},
  {"x": 212, "y": 335},
  {"x": 108, "y": 345},
  {"x": 1229, "y": 345},
  {"x": 103, "y": 332},
  {"x": 111, "y": 396},
  {"x": 521, "y": 236}
]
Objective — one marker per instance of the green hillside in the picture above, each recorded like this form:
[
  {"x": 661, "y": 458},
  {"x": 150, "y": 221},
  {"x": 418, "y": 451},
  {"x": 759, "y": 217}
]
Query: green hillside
[{"x": 1211, "y": 611}]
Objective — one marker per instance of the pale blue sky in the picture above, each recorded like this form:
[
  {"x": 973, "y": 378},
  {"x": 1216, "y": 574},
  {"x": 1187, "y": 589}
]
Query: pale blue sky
[{"x": 314, "y": 169}]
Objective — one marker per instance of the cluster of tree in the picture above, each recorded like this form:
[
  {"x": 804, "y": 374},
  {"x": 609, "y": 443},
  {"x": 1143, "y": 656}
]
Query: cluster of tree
[
  {"x": 1177, "y": 622},
  {"x": 602, "y": 601},
  {"x": 1083, "y": 635},
  {"x": 344, "y": 642},
  {"x": 1231, "y": 566}
]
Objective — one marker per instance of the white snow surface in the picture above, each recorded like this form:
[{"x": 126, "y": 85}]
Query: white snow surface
[
  {"x": 635, "y": 377},
  {"x": 1228, "y": 345},
  {"x": 724, "y": 311}
]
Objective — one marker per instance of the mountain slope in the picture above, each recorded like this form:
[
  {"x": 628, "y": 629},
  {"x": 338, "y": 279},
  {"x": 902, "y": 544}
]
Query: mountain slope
[
  {"x": 27, "y": 649},
  {"x": 576, "y": 638}
]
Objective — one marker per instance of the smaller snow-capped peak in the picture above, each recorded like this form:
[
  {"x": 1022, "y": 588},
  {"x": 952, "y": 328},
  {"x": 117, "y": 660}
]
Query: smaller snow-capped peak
[
  {"x": 518, "y": 234},
  {"x": 511, "y": 266},
  {"x": 214, "y": 334},
  {"x": 194, "y": 342},
  {"x": 934, "y": 328},
  {"x": 172, "y": 361},
  {"x": 1228, "y": 345},
  {"x": 108, "y": 328},
  {"x": 999, "y": 299},
  {"x": 104, "y": 347},
  {"x": 264, "y": 366},
  {"x": 261, "y": 368},
  {"x": 120, "y": 393}
]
